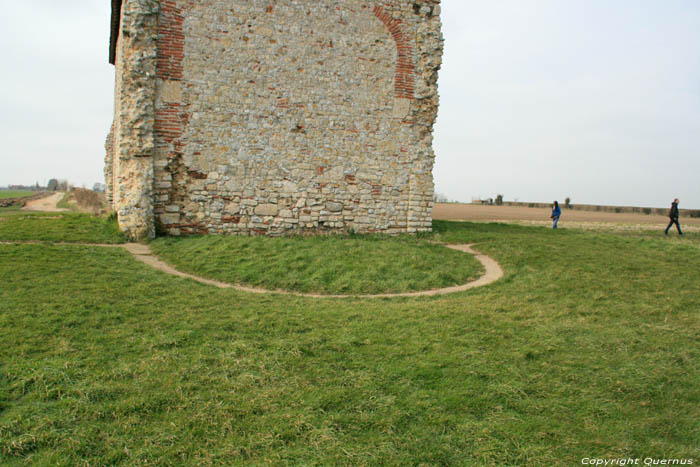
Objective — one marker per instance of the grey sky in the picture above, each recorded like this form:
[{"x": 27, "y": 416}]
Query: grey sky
[{"x": 598, "y": 100}]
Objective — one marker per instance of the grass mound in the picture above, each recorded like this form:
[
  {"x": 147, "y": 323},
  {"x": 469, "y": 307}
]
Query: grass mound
[
  {"x": 83, "y": 200},
  {"x": 358, "y": 264}
]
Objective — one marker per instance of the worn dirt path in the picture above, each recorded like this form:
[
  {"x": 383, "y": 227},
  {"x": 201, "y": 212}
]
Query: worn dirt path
[
  {"x": 493, "y": 272},
  {"x": 45, "y": 204},
  {"x": 143, "y": 253}
]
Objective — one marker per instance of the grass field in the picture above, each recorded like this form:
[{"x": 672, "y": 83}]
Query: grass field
[
  {"x": 4, "y": 194},
  {"x": 588, "y": 347},
  {"x": 17, "y": 225}
]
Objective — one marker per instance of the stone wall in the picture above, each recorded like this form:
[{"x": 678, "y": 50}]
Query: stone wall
[
  {"x": 133, "y": 144},
  {"x": 271, "y": 117},
  {"x": 109, "y": 167}
]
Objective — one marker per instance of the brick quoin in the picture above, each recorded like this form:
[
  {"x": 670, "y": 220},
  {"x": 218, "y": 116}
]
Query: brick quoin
[
  {"x": 171, "y": 42},
  {"x": 405, "y": 79},
  {"x": 169, "y": 122},
  {"x": 171, "y": 118}
]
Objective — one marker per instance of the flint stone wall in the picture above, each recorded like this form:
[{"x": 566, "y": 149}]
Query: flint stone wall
[{"x": 270, "y": 117}]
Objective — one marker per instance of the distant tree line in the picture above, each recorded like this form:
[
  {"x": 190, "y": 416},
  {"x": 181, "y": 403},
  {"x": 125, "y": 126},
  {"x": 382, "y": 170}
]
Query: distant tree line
[
  {"x": 57, "y": 185},
  {"x": 441, "y": 198}
]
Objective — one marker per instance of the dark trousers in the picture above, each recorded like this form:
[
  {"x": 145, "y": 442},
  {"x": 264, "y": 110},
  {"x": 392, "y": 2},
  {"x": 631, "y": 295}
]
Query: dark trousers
[{"x": 678, "y": 226}]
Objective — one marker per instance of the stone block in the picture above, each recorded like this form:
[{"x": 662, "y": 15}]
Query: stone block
[
  {"x": 169, "y": 219},
  {"x": 232, "y": 208},
  {"x": 170, "y": 91},
  {"x": 266, "y": 210},
  {"x": 334, "y": 207}
]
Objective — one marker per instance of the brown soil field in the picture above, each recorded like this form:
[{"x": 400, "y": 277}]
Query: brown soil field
[{"x": 540, "y": 216}]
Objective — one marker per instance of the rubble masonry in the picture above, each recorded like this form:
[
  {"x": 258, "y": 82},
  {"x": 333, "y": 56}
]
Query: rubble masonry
[{"x": 271, "y": 117}]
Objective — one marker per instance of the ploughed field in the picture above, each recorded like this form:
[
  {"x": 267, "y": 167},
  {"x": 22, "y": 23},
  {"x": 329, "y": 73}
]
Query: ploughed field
[
  {"x": 587, "y": 347},
  {"x": 590, "y": 220}
]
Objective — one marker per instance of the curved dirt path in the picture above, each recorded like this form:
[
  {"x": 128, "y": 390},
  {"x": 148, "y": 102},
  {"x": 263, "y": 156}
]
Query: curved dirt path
[
  {"x": 143, "y": 253},
  {"x": 493, "y": 272},
  {"x": 47, "y": 204}
]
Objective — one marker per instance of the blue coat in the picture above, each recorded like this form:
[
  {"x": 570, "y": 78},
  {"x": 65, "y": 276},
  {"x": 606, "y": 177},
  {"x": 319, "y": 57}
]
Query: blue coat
[{"x": 556, "y": 212}]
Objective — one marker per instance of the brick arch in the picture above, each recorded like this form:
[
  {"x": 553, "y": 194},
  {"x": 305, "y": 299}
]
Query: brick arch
[{"x": 405, "y": 69}]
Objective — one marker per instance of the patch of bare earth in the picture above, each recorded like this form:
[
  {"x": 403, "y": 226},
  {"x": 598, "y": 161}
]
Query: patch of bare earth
[
  {"x": 47, "y": 204},
  {"x": 591, "y": 220}
]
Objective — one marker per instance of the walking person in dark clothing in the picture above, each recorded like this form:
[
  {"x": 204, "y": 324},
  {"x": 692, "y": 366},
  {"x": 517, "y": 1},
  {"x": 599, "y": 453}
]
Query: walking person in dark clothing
[
  {"x": 673, "y": 214},
  {"x": 556, "y": 213}
]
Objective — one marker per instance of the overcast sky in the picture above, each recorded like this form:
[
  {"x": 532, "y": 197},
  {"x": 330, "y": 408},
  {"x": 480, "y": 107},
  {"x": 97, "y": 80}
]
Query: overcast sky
[{"x": 598, "y": 100}]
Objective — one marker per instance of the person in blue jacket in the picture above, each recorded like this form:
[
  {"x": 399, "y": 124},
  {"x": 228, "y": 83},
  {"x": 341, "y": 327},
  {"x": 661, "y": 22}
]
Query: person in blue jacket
[{"x": 556, "y": 213}]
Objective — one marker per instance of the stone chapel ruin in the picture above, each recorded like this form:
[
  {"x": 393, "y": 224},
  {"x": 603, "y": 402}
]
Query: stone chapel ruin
[{"x": 273, "y": 116}]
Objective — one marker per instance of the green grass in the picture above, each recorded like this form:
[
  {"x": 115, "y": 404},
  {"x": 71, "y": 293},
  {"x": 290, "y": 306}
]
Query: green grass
[
  {"x": 65, "y": 203},
  {"x": 17, "y": 225},
  {"x": 4, "y": 194},
  {"x": 587, "y": 348},
  {"x": 358, "y": 264}
]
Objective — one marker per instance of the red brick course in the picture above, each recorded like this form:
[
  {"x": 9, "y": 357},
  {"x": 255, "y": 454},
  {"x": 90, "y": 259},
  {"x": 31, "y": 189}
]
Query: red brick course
[
  {"x": 171, "y": 42},
  {"x": 405, "y": 79}
]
